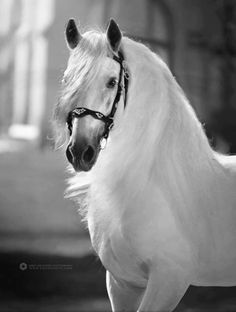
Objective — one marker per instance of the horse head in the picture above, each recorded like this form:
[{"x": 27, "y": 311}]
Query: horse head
[{"x": 92, "y": 89}]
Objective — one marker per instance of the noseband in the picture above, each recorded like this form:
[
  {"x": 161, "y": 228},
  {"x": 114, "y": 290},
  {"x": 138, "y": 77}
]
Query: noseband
[{"x": 80, "y": 112}]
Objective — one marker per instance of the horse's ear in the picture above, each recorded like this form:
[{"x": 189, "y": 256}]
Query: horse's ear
[
  {"x": 114, "y": 35},
  {"x": 72, "y": 34}
]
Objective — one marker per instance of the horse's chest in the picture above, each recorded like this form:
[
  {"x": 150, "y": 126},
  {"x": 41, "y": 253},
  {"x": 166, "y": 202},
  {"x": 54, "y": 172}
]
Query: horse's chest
[
  {"x": 116, "y": 253},
  {"x": 127, "y": 234}
]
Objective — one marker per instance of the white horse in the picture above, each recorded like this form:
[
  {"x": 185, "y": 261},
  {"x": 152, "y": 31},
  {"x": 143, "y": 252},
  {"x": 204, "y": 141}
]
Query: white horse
[{"x": 160, "y": 204}]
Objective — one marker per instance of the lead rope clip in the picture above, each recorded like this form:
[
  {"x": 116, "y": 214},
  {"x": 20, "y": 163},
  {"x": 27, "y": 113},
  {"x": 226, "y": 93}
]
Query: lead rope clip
[{"x": 103, "y": 143}]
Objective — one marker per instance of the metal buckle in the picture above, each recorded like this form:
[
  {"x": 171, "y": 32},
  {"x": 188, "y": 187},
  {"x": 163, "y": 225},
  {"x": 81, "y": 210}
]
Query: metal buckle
[
  {"x": 99, "y": 115},
  {"x": 125, "y": 68},
  {"x": 103, "y": 143},
  {"x": 111, "y": 125}
]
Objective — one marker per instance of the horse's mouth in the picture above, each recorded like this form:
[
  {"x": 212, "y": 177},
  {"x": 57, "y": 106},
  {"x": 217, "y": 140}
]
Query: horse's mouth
[{"x": 81, "y": 168}]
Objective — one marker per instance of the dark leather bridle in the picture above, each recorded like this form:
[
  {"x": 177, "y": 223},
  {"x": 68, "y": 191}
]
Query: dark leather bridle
[{"x": 80, "y": 112}]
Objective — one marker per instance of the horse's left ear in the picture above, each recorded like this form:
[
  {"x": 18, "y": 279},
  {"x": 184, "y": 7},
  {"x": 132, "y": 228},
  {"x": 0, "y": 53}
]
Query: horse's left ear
[
  {"x": 73, "y": 36},
  {"x": 114, "y": 35}
]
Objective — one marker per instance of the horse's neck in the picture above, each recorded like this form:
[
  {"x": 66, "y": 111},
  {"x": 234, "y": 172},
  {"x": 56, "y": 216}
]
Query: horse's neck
[
  {"x": 159, "y": 137},
  {"x": 160, "y": 140},
  {"x": 160, "y": 127}
]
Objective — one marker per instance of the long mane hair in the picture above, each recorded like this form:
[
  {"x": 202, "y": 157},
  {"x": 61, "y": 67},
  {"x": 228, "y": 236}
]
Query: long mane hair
[{"x": 158, "y": 143}]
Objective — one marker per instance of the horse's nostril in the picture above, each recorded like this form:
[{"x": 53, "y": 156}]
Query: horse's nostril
[{"x": 88, "y": 154}]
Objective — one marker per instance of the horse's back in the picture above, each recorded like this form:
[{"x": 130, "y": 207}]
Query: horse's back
[
  {"x": 227, "y": 189},
  {"x": 228, "y": 162}
]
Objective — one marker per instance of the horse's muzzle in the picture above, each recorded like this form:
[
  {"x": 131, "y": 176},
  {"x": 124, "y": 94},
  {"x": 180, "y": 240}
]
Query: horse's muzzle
[{"x": 81, "y": 154}]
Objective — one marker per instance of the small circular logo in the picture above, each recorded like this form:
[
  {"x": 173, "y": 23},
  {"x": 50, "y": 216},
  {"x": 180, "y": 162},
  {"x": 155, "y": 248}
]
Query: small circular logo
[{"x": 23, "y": 266}]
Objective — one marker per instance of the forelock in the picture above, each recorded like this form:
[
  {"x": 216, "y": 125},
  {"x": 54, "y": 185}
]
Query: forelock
[
  {"x": 85, "y": 60},
  {"x": 84, "y": 64}
]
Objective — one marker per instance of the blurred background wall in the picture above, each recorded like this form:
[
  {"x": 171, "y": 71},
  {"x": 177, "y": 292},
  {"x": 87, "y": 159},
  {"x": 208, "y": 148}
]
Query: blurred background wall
[{"x": 195, "y": 37}]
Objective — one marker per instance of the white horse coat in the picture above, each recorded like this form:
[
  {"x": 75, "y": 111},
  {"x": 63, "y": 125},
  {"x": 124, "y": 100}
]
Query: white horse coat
[{"x": 160, "y": 203}]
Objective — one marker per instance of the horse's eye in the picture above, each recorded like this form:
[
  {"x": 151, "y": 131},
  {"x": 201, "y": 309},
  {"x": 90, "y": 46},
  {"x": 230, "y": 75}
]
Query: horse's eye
[{"x": 111, "y": 83}]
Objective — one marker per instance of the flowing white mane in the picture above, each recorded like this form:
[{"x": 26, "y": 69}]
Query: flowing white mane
[
  {"x": 159, "y": 138},
  {"x": 160, "y": 204}
]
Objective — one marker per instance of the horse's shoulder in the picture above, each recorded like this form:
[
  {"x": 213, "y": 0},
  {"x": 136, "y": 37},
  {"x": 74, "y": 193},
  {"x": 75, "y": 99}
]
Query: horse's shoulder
[{"x": 228, "y": 163}]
